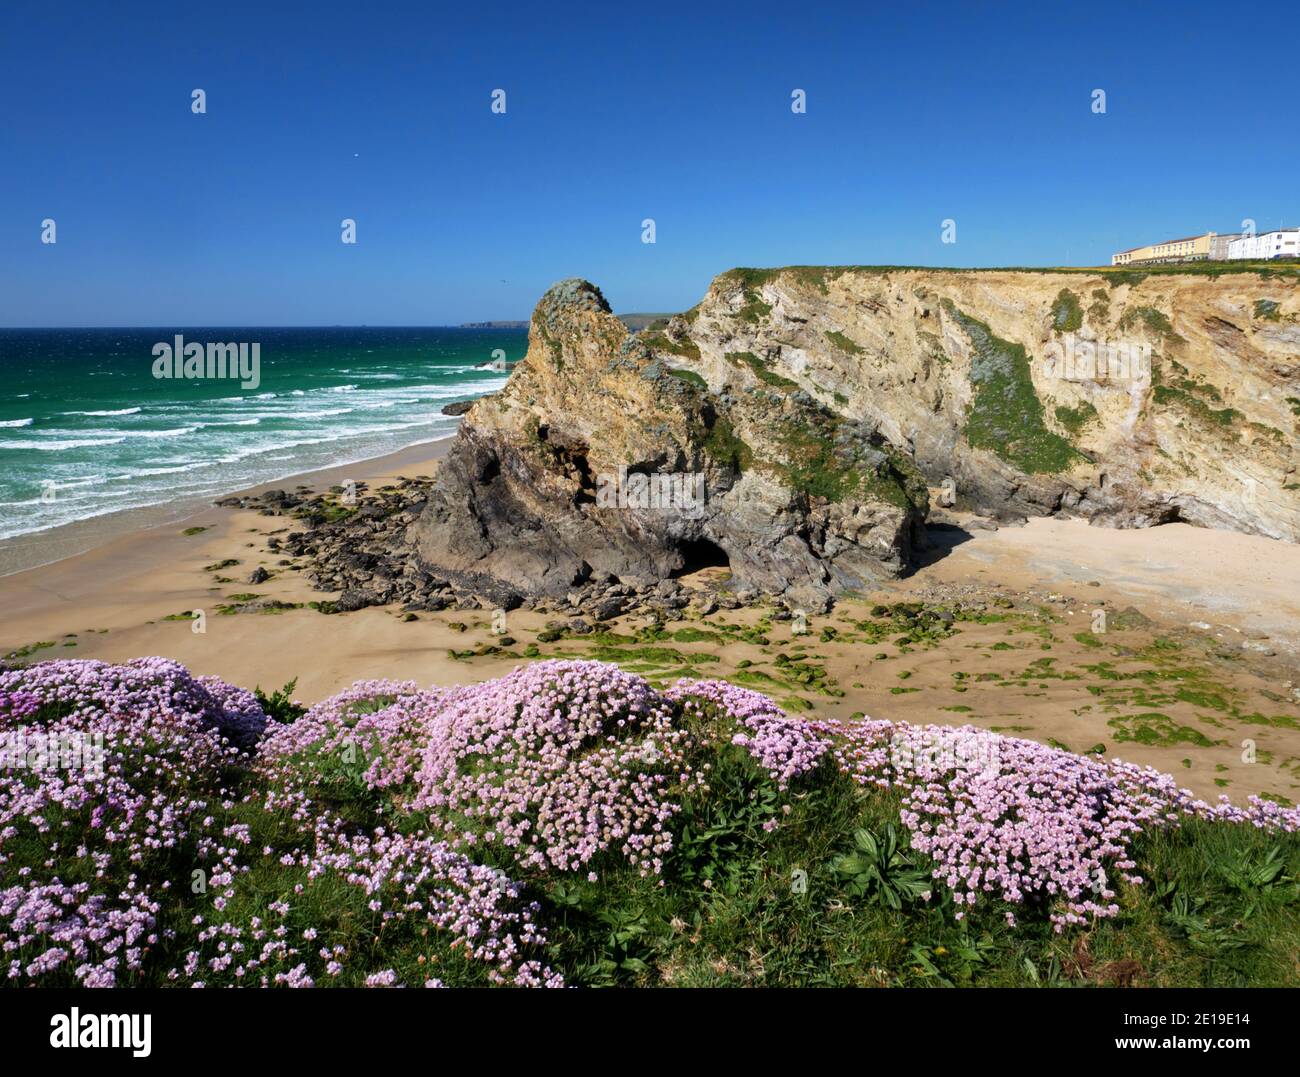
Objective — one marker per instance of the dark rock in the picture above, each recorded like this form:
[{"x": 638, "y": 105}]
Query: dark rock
[
  {"x": 607, "y": 608},
  {"x": 351, "y": 600}
]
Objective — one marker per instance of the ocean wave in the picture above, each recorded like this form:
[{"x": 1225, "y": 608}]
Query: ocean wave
[
  {"x": 17, "y": 422},
  {"x": 180, "y": 431},
  {"x": 343, "y": 435},
  {"x": 119, "y": 411},
  {"x": 59, "y": 446},
  {"x": 119, "y": 434},
  {"x": 146, "y": 472},
  {"x": 89, "y": 480}
]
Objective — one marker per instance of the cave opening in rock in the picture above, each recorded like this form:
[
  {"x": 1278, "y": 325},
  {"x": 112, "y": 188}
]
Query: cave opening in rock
[{"x": 699, "y": 554}]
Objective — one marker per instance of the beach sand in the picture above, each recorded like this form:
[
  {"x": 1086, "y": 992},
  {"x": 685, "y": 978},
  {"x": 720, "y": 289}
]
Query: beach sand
[{"x": 1200, "y": 683}]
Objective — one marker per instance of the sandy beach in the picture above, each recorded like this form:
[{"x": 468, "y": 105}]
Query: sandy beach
[{"x": 1214, "y": 615}]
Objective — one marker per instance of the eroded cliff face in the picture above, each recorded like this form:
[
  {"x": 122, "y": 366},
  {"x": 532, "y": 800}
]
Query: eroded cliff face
[
  {"x": 1021, "y": 388},
  {"x": 789, "y": 424},
  {"x": 602, "y": 461}
]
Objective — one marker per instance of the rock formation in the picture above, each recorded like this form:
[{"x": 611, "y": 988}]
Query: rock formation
[
  {"x": 605, "y": 461},
  {"x": 789, "y": 425},
  {"x": 1018, "y": 388}
]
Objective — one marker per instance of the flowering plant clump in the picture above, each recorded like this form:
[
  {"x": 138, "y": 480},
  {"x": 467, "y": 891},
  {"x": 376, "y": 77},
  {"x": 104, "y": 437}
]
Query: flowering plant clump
[
  {"x": 397, "y": 836},
  {"x": 79, "y": 845},
  {"x": 1023, "y": 822},
  {"x": 556, "y": 763},
  {"x": 152, "y": 855},
  {"x": 82, "y": 689},
  {"x": 17, "y": 707},
  {"x": 378, "y": 721},
  {"x": 785, "y": 747}
]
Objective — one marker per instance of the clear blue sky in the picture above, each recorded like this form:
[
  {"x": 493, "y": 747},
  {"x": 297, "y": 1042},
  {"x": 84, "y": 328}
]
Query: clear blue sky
[{"x": 378, "y": 111}]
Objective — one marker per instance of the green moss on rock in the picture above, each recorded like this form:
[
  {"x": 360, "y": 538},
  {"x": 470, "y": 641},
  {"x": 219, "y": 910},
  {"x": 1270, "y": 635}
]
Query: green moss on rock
[
  {"x": 1006, "y": 416},
  {"x": 1067, "y": 314},
  {"x": 844, "y": 344}
]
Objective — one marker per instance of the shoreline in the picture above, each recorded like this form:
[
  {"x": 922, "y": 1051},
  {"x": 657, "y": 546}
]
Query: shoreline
[
  {"x": 121, "y": 580},
  {"x": 41, "y": 549}
]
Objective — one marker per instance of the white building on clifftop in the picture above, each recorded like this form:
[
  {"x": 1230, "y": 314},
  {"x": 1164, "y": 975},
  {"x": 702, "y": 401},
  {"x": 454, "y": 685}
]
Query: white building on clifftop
[{"x": 1284, "y": 243}]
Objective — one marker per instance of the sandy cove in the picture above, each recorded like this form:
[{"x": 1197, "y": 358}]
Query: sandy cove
[{"x": 1194, "y": 671}]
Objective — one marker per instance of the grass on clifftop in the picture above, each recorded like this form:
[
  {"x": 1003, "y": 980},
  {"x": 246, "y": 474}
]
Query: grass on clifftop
[{"x": 1115, "y": 276}]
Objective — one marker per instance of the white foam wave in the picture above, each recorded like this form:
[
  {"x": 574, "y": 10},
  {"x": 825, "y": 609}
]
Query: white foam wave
[
  {"x": 119, "y": 434},
  {"x": 59, "y": 446}
]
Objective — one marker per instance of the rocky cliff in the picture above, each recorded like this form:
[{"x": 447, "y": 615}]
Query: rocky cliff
[
  {"x": 606, "y": 461},
  {"x": 799, "y": 414},
  {"x": 1128, "y": 398}
]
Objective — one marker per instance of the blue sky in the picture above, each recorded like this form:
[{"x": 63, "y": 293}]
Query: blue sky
[{"x": 380, "y": 112}]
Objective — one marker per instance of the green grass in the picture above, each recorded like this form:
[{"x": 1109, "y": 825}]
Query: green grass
[
  {"x": 833, "y": 898},
  {"x": 29, "y": 649},
  {"x": 1155, "y": 729},
  {"x": 1154, "y": 321},
  {"x": 1193, "y": 397},
  {"x": 1006, "y": 416},
  {"x": 816, "y": 465},
  {"x": 725, "y": 446},
  {"x": 809, "y": 276},
  {"x": 689, "y": 376},
  {"x": 1067, "y": 314},
  {"x": 1076, "y": 418},
  {"x": 818, "y": 276},
  {"x": 844, "y": 343},
  {"x": 754, "y": 309},
  {"x": 686, "y": 347},
  {"x": 764, "y": 373},
  {"x": 217, "y": 566}
]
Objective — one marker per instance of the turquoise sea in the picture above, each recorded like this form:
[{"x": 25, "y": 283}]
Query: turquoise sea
[{"x": 86, "y": 429}]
